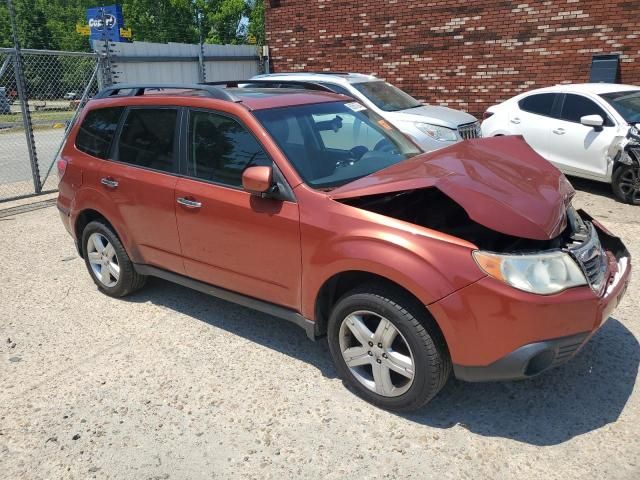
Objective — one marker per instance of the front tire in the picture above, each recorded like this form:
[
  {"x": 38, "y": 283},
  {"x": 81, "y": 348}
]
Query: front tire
[
  {"x": 387, "y": 348},
  {"x": 107, "y": 261},
  {"x": 626, "y": 183}
]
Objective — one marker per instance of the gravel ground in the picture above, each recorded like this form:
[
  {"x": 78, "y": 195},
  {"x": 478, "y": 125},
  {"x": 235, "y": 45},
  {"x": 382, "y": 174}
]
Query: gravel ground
[{"x": 170, "y": 383}]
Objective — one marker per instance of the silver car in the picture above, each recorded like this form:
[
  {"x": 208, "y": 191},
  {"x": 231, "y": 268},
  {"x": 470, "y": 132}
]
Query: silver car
[{"x": 430, "y": 126}]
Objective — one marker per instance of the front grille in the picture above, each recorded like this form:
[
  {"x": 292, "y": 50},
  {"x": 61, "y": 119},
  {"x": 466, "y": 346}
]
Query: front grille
[
  {"x": 591, "y": 258},
  {"x": 469, "y": 130}
]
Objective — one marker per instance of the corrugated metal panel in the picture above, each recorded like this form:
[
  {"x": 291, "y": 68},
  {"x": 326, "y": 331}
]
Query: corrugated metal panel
[{"x": 141, "y": 62}]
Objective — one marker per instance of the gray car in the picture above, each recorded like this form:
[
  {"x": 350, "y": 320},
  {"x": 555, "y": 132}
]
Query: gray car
[{"x": 430, "y": 126}]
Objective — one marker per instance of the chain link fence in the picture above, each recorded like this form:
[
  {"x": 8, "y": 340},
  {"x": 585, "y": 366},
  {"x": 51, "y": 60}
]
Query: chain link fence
[{"x": 41, "y": 92}]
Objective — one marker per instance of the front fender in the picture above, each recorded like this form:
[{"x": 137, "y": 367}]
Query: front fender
[{"x": 428, "y": 268}]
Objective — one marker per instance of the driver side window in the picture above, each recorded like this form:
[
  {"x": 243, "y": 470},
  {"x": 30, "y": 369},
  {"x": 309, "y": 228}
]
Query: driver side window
[
  {"x": 220, "y": 149},
  {"x": 344, "y": 131}
]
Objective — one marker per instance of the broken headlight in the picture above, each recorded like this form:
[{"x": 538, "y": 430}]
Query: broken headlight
[{"x": 542, "y": 273}]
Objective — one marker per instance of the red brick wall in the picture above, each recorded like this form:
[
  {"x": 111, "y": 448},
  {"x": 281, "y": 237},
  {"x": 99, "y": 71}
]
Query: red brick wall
[{"x": 465, "y": 54}]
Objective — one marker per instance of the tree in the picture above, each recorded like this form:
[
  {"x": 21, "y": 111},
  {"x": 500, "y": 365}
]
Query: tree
[
  {"x": 51, "y": 24},
  {"x": 161, "y": 20},
  {"x": 5, "y": 26},
  {"x": 226, "y": 21},
  {"x": 256, "y": 22}
]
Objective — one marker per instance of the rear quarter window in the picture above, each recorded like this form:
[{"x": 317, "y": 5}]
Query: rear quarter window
[
  {"x": 540, "y": 104},
  {"x": 97, "y": 131}
]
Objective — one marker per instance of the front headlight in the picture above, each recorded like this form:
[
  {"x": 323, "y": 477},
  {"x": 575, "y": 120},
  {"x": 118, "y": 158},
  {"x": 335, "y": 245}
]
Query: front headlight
[
  {"x": 542, "y": 273},
  {"x": 442, "y": 134}
]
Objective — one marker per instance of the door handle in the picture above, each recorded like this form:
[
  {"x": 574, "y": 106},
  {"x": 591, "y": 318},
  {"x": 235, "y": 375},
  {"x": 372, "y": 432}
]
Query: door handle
[
  {"x": 559, "y": 131},
  {"x": 109, "y": 182},
  {"x": 515, "y": 120},
  {"x": 189, "y": 203}
]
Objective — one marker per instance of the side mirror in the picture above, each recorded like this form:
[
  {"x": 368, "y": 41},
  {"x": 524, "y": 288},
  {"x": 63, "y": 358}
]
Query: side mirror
[
  {"x": 592, "y": 120},
  {"x": 258, "y": 180}
]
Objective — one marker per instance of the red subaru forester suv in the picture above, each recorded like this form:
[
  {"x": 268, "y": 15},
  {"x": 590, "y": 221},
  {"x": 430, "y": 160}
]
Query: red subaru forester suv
[{"x": 310, "y": 207}]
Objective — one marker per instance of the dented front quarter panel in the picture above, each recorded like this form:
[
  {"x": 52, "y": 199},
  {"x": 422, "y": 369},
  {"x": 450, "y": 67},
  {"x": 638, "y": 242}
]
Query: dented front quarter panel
[
  {"x": 501, "y": 182},
  {"x": 338, "y": 238}
]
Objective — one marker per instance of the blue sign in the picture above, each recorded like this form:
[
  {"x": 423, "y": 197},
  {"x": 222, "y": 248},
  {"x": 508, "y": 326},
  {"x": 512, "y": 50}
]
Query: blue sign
[{"x": 105, "y": 23}]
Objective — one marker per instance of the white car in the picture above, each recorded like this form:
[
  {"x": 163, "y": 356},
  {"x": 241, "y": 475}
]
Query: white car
[
  {"x": 586, "y": 130},
  {"x": 430, "y": 126}
]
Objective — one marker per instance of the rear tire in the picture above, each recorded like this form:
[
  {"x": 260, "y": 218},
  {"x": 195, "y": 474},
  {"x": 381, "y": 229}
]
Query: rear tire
[
  {"x": 107, "y": 261},
  {"x": 388, "y": 348},
  {"x": 626, "y": 183}
]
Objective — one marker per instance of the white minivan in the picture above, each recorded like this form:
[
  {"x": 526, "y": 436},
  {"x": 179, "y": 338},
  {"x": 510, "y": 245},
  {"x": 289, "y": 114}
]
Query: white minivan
[{"x": 586, "y": 130}]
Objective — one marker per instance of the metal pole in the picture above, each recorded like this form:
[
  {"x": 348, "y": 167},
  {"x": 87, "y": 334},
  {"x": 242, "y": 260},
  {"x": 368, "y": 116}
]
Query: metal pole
[
  {"x": 107, "y": 80},
  {"x": 265, "y": 57},
  {"x": 202, "y": 74},
  {"x": 24, "y": 103}
]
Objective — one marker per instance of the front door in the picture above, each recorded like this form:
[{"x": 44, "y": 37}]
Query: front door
[
  {"x": 230, "y": 238},
  {"x": 580, "y": 149}
]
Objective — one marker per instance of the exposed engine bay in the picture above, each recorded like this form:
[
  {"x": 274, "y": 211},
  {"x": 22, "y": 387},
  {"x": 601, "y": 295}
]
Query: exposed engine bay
[{"x": 430, "y": 208}]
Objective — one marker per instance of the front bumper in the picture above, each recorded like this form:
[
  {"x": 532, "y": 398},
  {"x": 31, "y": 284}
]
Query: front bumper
[
  {"x": 526, "y": 361},
  {"x": 495, "y": 332}
]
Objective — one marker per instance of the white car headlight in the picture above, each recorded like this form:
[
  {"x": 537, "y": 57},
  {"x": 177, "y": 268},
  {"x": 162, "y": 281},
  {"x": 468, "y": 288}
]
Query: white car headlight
[
  {"x": 442, "y": 134},
  {"x": 542, "y": 273}
]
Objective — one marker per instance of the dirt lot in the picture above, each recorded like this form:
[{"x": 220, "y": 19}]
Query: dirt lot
[{"x": 170, "y": 383}]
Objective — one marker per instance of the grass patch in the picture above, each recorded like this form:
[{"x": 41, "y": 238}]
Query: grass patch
[{"x": 37, "y": 117}]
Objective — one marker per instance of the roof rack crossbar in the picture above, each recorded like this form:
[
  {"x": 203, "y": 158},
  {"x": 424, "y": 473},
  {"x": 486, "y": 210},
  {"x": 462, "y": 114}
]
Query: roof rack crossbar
[
  {"x": 268, "y": 83},
  {"x": 137, "y": 90}
]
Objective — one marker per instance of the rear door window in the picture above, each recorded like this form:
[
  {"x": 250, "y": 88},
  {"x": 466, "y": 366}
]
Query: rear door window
[
  {"x": 97, "y": 131},
  {"x": 148, "y": 139},
  {"x": 540, "y": 104},
  {"x": 576, "y": 106},
  {"x": 220, "y": 149}
]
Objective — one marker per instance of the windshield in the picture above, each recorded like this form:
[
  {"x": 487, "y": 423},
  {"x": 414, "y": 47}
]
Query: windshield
[
  {"x": 385, "y": 96},
  {"x": 627, "y": 104},
  {"x": 331, "y": 144}
]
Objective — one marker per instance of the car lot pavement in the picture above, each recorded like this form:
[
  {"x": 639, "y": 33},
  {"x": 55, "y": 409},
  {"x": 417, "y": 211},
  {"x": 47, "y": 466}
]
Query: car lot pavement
[{"x": 172, "y": 384}]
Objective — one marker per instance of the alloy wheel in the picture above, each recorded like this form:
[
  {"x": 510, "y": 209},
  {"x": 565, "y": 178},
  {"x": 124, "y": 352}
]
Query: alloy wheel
[
  {"x": 103, "y": 259},
  {"x": 376, "y": 353},
  {"x": 629, "y": 184}
]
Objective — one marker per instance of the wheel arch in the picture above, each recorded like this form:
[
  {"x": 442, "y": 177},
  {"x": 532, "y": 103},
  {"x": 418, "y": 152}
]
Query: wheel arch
[
  {"x": 340, "y": 283},
  {"x": 88, "y": 215}
]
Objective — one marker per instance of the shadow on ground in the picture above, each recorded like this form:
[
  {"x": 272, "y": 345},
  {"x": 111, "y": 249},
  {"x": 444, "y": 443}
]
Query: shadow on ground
[
  {"x": 269, "y": 331},
  {"x": 581, "y": 396},
  {"x": 591, "y": 186}
]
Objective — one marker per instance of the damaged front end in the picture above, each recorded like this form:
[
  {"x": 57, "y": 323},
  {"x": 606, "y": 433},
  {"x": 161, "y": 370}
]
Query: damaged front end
[
  {"x": 584, "y": 253},
  {"x": 625, "y": 150},
  {"x": 506, "y": 200}
]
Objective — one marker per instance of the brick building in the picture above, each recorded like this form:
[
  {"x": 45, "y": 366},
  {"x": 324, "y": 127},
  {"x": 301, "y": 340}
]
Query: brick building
[{"x": 466, "y": 54}]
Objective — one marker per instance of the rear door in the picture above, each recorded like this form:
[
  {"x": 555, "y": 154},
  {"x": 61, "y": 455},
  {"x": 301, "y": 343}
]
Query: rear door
[
  {"x": 580, "y": 149},
  {"x": 230, "y": 238},
  {"x": 531, "y": 118},
  {"x": 140, "y": 180}
]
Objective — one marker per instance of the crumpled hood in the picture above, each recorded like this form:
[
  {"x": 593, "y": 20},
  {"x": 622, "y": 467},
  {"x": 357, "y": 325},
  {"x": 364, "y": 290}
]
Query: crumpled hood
[
  {"x": 443, "y": 116},
  {"x": 501, "y": 182}
]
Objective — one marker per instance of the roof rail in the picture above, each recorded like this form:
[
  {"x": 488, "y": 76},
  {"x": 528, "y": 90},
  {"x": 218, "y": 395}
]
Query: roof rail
[
  {"x": 325, "y": 72},
  {"x": 137, "y": 90},
  {"x": 268, "y": 83}
]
